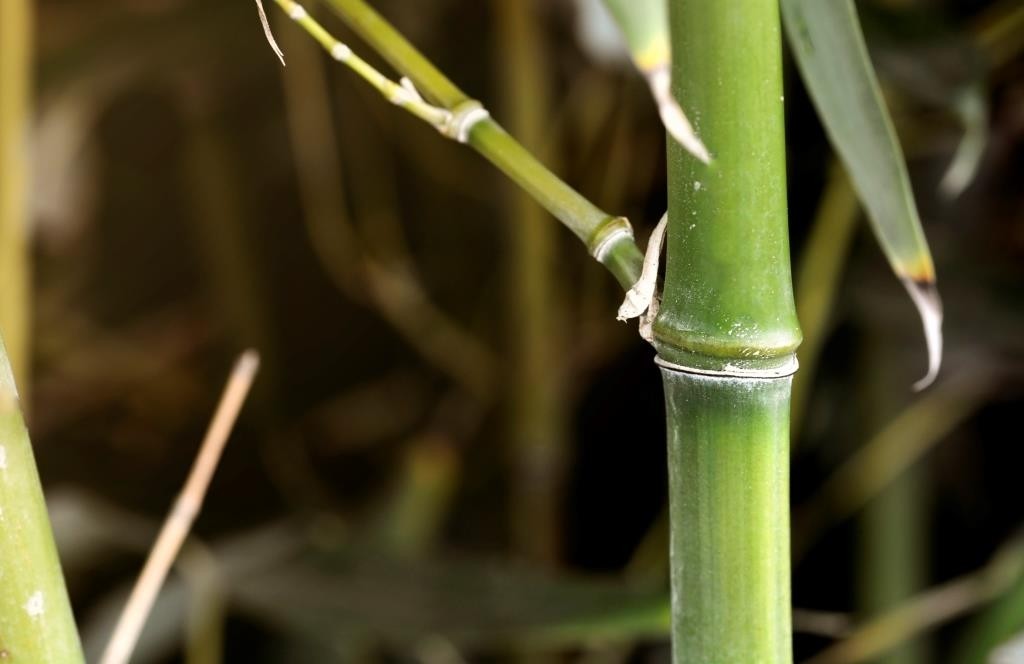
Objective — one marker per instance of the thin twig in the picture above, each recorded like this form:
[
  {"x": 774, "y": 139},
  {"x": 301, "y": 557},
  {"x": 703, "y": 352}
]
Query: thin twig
[
  {"x": 183, "y": 514},
  {"x": 455, "y": 124}
]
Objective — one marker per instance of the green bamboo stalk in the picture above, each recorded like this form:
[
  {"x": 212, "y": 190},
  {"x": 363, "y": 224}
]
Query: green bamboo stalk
[
  {"x": 726, "y": 336},
  {"x": 538, "y": 418},
  {"x": 892, "y": 557},
  {"x": 16, "y": 27},
  {"x": 36, "y": 623},
  {"x": 607, "y": 237}
]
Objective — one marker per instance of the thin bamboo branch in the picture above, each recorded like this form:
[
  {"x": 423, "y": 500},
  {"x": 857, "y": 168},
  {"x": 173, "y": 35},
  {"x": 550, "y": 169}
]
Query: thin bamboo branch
[
  {"x": 184, "y": 512},
  {"x": 392, "y": 291},
  {"x": 608, "y": 238}
]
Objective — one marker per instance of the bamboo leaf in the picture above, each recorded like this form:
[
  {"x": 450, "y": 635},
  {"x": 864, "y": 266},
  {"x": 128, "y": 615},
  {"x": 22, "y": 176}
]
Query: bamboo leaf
[
  {"x": 644, "y": 23},
  {"x": 476, "y": 604},
  {"x": 830, "y": 52}
]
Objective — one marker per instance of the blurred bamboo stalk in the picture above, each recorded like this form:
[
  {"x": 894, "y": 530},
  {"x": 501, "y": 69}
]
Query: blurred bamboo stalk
[
  {"x": 207, "y": 604},
  {"x": 38, "y": 626},
  {"x": 818, "y": 278},
  {"x": 999, "y": 30},
  {"x": 537, "y": 423},
  {"x": 16, "y": 44},
  {"x": 413, "y": 515},
  {"x": 994, "y": 626},
  {"x": 892, "y": 562},
  {"x": 238, "y": 298},
  {"x": 892, "y": 557},
  {"x": 318, "y": 168}
]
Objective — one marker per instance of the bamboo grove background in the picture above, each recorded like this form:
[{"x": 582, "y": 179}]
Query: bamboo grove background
[{"x": 454, "y": 451}]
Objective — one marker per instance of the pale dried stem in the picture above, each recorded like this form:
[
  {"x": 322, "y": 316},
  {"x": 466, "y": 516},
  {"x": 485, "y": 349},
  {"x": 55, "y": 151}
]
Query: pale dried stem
[{"x": 183, "y": 514}]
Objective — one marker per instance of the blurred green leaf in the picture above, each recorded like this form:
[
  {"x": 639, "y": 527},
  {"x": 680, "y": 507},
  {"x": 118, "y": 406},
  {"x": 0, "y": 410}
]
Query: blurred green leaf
[
  {"x": 474, "y": 604},
  {"x": 830, "y": 51}
]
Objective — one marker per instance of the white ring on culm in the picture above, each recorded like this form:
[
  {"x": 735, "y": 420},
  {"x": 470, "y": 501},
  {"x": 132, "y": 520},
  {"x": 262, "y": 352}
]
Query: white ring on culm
[
  {"x": 297, "y": 13},
  {"x": 462, "y": 120},
  {"x": 610, "y": 240},
  {"x": 784, "y": 371}
]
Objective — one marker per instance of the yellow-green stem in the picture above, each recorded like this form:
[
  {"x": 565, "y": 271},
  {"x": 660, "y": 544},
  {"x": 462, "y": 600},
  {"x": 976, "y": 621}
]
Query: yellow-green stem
[
  {"x": 591, "y": 224},
  {"x": 16, "y": 28}
]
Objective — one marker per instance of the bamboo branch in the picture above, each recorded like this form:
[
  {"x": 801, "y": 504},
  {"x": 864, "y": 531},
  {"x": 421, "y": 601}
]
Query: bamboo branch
[
  {"x": 608, "y": 238},
  {"x": 538, "y": 419},
  {"x": 392, "y": 291}
]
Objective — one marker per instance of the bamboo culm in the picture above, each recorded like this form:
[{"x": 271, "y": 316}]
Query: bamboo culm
[{"x": 726, "y": 335}]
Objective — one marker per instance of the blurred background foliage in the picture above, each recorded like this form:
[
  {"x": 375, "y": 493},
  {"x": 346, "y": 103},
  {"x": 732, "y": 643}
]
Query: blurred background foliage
[{"x": 454, "y": 452}]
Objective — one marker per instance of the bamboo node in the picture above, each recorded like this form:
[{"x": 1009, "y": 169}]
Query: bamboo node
[
  {"x": 462, "y": 119},
  {"x": 788, "y": 367},
  {"x": 341, "y": 52},
  {"x": 608, "y": 235}
]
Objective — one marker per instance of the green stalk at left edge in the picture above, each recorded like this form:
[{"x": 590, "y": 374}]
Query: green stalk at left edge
[{"x": 36, "y": 623}]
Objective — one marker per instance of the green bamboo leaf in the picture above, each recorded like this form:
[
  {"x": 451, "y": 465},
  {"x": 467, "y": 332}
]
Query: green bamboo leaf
[
  {"x": 644, "y": 23},
  {"x": 474, "y": 603},
  {"x": 826, "y": 39}
]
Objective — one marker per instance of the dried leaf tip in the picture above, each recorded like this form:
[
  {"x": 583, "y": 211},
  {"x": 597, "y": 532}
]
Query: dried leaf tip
[
  {"x": 929, "y": 307},
  {"x": 672, "y": 115},
  {"x": 267, "y": 33}
]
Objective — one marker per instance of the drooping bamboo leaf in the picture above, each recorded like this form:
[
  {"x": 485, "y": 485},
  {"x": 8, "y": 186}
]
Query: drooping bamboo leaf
[
  {"x": 830, "y": 51},
  {"x": 644, "y": 23}
]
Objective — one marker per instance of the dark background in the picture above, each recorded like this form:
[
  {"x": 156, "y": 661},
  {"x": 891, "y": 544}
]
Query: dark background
[{"x": 362, "y": 510}]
